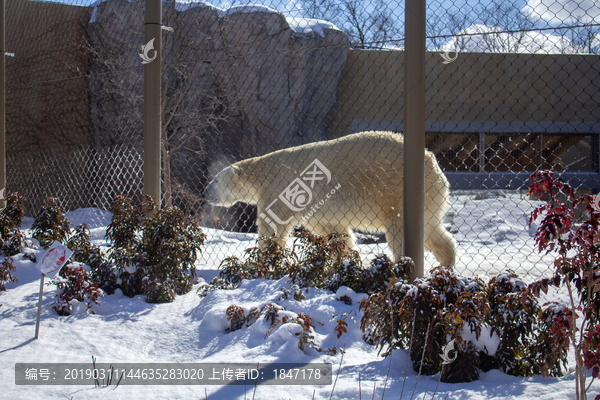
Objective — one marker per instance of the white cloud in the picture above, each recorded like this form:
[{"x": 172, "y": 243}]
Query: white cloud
[
  {"x": 562, "y": 11},
  {"x": 493, "y": 40}
]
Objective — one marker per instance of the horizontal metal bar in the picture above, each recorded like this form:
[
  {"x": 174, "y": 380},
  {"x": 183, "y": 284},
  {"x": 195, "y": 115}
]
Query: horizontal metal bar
[
  {"x": 517, "y": 180},
  {"x": 484, "y": 127}
]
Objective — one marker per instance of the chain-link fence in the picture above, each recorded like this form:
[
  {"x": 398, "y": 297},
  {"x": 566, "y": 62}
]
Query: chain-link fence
[{"x": 511, "y": 88}]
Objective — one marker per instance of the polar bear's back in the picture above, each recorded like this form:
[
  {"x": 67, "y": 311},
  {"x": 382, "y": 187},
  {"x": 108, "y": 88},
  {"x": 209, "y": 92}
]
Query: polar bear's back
[
  {"x": 354, "y": 182},
  {"x": 368, "y": 165}
]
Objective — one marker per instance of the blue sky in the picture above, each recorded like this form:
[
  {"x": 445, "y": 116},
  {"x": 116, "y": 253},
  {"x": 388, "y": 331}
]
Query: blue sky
[
  {"x": 545, "y": 8},
  {"x": 542, "y": 13}
]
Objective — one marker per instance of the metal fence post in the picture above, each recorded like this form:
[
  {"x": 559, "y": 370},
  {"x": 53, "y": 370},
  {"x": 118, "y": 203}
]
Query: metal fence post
[
  {"x": 2, "y": 109},
  {"x": 414, "y": 133},
  {"x": 152, "y": 107}
]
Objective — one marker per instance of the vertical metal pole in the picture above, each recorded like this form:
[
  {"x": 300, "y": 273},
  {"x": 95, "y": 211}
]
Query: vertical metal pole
[
  {"x": 414, "y": 133},
  {"x": 481, "y": 146},
  {"x": 39, "y": 311},
  {"x": 152, "y": 108},
  {"x": 2, "y": 109}
]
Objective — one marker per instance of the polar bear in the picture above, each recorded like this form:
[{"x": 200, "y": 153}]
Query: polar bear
[{"x": 354, "y": 182}]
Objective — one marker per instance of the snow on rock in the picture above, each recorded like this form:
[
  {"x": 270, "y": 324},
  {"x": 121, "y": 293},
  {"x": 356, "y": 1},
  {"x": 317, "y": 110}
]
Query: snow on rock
[
  {"x": 186, "y": 5},
  {"x": 308, "y": 25},
  {"x": 250, "y": 8},
  {"x": 298, "y": 25}
]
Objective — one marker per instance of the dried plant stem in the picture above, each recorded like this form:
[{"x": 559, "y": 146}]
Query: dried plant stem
[
  {"x": 438, "y": 383},
  {"x": 422, "y": 358},
  {"x": 412, "y": 332},
  {"x": 579, "y": 378},
  {"x": 359, "y": 388},
  {"x": 592, "y": 381},
  {"x": 391, "y": 344},
  {"x": 387, "y": 376},
  {"x": 426, "y": 388},
  {"x": 338, "y": 372},
  {"x": 255, "y": 382}
]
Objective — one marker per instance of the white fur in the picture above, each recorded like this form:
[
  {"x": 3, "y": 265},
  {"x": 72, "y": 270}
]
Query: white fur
[{"x": 366, "y": 168}]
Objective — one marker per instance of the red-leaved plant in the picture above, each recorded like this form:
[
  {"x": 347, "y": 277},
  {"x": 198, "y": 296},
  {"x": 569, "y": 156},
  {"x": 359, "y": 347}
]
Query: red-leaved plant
[
  {"x": 576, "y": 266},
  {"x": 75, "y": 283}
]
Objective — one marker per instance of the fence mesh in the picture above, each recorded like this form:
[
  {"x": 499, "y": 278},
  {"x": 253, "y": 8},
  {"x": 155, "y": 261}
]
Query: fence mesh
[{"x": 512, "y": 88}]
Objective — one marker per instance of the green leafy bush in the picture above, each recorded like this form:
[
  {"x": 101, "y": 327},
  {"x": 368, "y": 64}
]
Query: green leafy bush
[
  {"x": 444, "y": 307},
  {"x": 377, "y": 276},
  {"x": 6, "y": 268},
  {"x": 123, "y": 224},
  {"x": 103, "y": 271},
  {"x": 50, "y": 224},
  {"x": 12, "y": 215},
  {"x": 153, "y": 251},
  {"x": 470, "y": 311},
  {"x": 79, "y": 243},
  {"x": 528, "y": 324},
  {"x": 75, "y": 283},
  {"x": 12, "y": 241},
  {"x": 267, "y": 261},
  {"x": 315, "y": 261},
  {"x": 236, "y": 316},
  {"x": 324, "y": 262},
  {"x": 169, "y": 242}
]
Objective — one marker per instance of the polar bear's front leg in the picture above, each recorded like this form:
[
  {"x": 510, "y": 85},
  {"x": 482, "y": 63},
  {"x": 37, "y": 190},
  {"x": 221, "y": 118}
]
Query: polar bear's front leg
[
  {"x": 271, "y": 226},
  {"x": 441, "y": 243},
  {"x": 393, "y": 236},
  {"x": 327, "y": 229}
]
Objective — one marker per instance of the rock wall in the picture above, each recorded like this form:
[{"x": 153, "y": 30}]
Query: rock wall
[{"x": 237, "y": 84}]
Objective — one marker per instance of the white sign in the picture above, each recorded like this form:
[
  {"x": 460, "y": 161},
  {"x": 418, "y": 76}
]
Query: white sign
[{"x": 54, "y": 259}]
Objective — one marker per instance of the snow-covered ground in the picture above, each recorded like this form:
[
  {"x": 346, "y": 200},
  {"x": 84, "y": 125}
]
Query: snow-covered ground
[{"x": 492, "y": 234}]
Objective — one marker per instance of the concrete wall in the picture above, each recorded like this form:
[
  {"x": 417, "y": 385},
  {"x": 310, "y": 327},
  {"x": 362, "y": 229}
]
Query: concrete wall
[
  {"x": 495, "y": 89},
  {"x": 47, "y": 116},
  {"x": 49, "y": 43}
]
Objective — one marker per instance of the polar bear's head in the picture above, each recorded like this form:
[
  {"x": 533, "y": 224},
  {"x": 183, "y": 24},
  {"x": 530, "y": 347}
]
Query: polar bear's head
[{"x": 227, "y": 188}]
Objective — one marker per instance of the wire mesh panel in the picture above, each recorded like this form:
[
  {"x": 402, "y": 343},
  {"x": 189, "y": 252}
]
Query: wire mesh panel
[
  {"x": 72, "y": 104},
  {"x": 79, "y": 177},
  {"x": 511, "y": 88}
]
